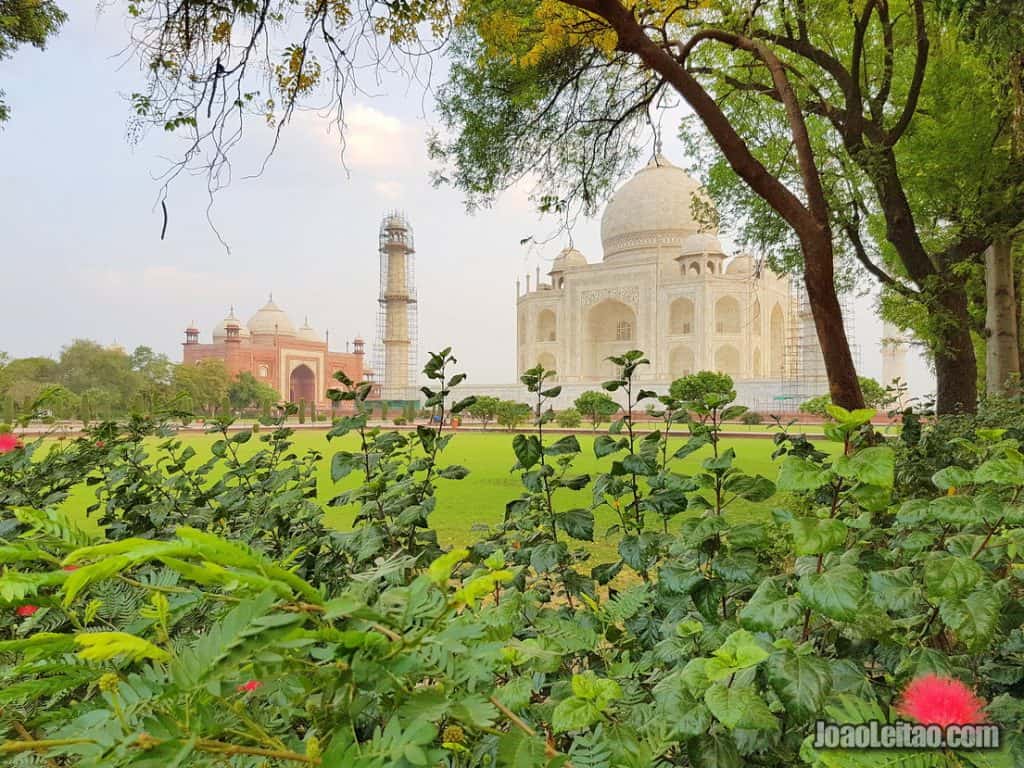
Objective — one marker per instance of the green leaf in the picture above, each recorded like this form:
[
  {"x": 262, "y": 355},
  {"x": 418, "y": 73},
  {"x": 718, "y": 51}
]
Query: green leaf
[
  {"x": 770, "y": 609},
  {"x": 715, "y": 750},
  {"x": 974, "y": 617},
  {"x": 802, "y": 681},
  {"x": 836, "y": 593},
  {"x": 520, "y": 750},
  {"x": 950, "y": 576},
  {"x": 441, "y": 569},
  {"x": 104, "y": 646},
  {"x": 605, "y": 445},
  {"x": 952, "y": 477},
  {"x": 799, "y": 474},
  {"x": 527, "y": 449},
  {"x": 739, "y": 651},
  {"x": 567, "y": 444},
  {"x": 574, "y": 714},
  {"x": 874, "y": 466},
  {"x": 739, "y": 706},
  {"x": 600, "y": 690},
  {"x": 815, "y": 536},
  {"x": 1008, "y": 470},
  {"x": 578, "y": 523}
]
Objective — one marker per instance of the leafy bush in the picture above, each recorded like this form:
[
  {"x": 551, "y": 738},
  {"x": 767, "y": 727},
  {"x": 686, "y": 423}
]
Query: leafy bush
[
  {"x": 511, "y": 414},
  {"x": 596, "y": 407},
  {"x": 697, "y": 386},
  {"x": 737, "y": 612},
  {"x": 568, "y": 418},
  {"x": 751, "y": 418},
  {"x": 875, "y": 396}
]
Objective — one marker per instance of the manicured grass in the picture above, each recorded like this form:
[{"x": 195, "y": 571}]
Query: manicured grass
[{"x": 479, "y": 498}]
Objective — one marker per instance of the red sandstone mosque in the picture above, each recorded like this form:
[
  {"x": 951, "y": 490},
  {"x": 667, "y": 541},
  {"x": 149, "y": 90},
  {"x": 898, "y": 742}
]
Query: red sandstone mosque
[{"x": 297, "y": 363}]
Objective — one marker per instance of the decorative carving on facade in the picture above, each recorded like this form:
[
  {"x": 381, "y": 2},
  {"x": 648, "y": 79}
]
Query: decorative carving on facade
[{"x": 629, "y": 295}]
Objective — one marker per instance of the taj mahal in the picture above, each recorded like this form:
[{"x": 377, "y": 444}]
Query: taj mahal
[{"x": 666, "y": 285}]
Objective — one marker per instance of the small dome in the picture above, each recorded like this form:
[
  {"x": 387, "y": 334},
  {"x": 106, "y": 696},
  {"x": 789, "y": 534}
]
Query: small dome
[
  {"x": 221, "y": 331},
  {"x": 270, "y": 319},
  {"x": 567, "y": 259},
  {"x": 652, "y": 210},
  {"x": 307, "y": 333},
  {"x": 741, "y": 265},
  {"x": 701, "y": 242}
]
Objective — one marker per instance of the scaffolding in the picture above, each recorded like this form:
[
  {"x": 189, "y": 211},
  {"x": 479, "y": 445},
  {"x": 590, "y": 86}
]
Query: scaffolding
[
  {"x": 395, "y": 351},
  {"x": 803, "y": 369}
]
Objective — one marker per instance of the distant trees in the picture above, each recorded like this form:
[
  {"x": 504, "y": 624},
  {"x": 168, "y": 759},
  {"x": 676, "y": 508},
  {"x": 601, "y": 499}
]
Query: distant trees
[
  {"x": 875, "y": 396},
  {"x": 511, "y": 414},
  {"x": 246, "y": 392},
  {"x": 485, "y": 409},
  {"x": 206, "y": 384},
  {"x": 697, "y": 386},
  {"x": 569, "y": 418},
  {"x": 595, "y": 407}
]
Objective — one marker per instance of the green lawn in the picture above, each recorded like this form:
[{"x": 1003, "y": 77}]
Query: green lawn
[{"x": 481, "y": 497}]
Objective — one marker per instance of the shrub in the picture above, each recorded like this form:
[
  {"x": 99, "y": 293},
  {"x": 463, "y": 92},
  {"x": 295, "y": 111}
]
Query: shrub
[
  {"x": 568, "y": 418},
  {"x": 511, "y": 414},
  {"x": 751, "y": 418},
  {"x": 399, "y": 421},
  {"x": 4, "y": 428},
  {"x": 596, "y": 407},
  {"x": 213, "y": 618},
  {"x": 697, "y": 386}
]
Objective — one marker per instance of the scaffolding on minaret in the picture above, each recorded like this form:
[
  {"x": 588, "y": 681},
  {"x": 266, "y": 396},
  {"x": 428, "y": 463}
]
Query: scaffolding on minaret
[
  {"x": 803, "y": 369},
  {"x": 395, "y": 352}
]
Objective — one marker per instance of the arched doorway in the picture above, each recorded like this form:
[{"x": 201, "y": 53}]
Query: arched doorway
[
  {"x": 727, "y": 315},
  {"x": 611, "y": 330},
  {"x": 727, "y": 360},
  {"x": 777, "y": 342},
  {"x": 680, "y": 317},
  {"x": 756, "y": 367},
  {"x": 547, "y": 327},
  {"x": 681, "y": 362},
  {"x": 302, "y": 384}
]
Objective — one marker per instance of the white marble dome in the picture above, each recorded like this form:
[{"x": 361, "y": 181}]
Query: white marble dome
[
  {"x": 567, "y": 259},
  {"x": 220, "y": 332},
  {"x": 652, "y": 210},
  {"x": 271, "y": 319},
  {"x": 700, "y": 243}
]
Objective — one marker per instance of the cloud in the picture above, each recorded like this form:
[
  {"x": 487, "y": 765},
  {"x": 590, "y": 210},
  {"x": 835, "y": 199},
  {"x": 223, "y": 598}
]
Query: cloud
[{"x": 373, "y": 140}]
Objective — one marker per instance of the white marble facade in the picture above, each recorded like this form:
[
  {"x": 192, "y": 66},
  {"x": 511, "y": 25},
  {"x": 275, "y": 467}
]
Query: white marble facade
[{"x": 665, "y": 286}]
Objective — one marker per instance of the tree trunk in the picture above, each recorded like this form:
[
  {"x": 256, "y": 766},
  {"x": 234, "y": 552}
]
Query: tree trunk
[
  {"x": 1002, "y": 355},
  {"x": 956, "y": 392},
  {"x": 819, "y": 279}
]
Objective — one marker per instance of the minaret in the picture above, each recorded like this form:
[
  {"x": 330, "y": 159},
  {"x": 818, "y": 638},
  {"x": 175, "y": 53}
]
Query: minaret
[{"x": 395, "y": 350}]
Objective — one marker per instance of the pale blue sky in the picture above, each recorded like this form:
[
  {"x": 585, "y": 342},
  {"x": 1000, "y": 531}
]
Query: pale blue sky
[{"x": 80, "y": 231}]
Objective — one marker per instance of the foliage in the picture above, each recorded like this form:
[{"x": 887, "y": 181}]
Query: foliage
[
  {"x": 596, "y": 407},
  {"x": 485, "y": 409},
  {"x": 751, "y": 418},
  {"x": 699, "y": 385},
  {"x": 511, "y": 414},
  {"x": 26, "y": 21},
  {"x": 719, "y": 640},
  {"x": 875, "y": 395},
  {"x": 568, "y": 418},
  {"x": 205, "y": 384},
  {"x": 247, "y": 392}
]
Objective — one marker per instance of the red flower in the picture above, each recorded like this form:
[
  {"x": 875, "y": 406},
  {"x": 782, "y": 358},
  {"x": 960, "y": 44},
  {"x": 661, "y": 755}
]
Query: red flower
[
  {"x": 100, "y": 443},
  {"x": 8, "y": 442},
  {"x": 26, "y": 610},
  {"x": 252, "y": 685},
  {"x": 942, "y": 701},
  {"x": 70, "y": 567}
]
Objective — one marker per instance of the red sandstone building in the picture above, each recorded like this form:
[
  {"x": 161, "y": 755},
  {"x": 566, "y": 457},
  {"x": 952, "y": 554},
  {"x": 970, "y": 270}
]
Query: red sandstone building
[{"x": 297, "y": 363}]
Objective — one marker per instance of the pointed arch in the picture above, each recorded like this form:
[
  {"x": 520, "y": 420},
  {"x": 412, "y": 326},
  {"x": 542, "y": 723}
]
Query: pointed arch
[
  {"x": 727, "y": 315},
  {"x": 681, "y": 317}
]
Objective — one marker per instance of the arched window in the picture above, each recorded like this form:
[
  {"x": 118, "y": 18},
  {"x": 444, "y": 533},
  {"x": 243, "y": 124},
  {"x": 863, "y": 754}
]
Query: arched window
[
  {"x": 756, "y": 368},
  {"x": 680, "y": 317},
  {"x": 547, "y": 326},
  {"x": 263, "y": 370},
  {"x": 755, "y": 318},
  {"x": 727, "y": 315},
  {"x": 609, "y": 330},
  {"x": 623, "y": 331},
  {"x": 548, "y": 361},
  {"x": 711, "y": 267},
  {"x": 681, "y": 362},
  {"x": 694, "y": 268}
]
